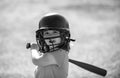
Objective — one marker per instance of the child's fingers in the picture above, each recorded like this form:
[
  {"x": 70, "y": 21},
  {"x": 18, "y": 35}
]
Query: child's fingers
[{"x": 34, "y": 46}]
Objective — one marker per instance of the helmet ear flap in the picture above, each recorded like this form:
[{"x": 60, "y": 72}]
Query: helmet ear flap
[
  {"x": 65, "y": 40},
  {"x": 41, "y": 43},
  {"x": 37, "y": 34}
]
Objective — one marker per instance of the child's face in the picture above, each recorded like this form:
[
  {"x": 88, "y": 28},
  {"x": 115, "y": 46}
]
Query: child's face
[{"x": 52, "y": 33}]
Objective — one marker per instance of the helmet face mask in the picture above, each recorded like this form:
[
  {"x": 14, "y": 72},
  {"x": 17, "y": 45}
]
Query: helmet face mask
[
  {"x": 52, "y": 38},
  {"x": 53, "y": 33}
]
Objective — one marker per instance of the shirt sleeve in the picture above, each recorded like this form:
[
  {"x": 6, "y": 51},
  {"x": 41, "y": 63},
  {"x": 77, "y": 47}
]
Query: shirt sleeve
[{"x": 42, "y": 59}]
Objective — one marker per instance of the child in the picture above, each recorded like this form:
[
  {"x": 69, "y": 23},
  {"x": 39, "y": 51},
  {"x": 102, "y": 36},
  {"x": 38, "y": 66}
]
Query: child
[{"x": 50, "y": 54}]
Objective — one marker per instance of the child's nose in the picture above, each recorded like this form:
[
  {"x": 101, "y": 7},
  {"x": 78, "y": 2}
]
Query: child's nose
[{"x": 52, "y": 41}]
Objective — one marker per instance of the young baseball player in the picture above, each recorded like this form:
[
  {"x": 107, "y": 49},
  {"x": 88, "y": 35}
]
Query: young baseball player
[{"x": 50, "y": 54}]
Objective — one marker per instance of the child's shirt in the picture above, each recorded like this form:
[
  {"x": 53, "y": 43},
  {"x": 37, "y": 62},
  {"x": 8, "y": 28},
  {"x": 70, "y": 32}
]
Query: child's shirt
[{"x": 52, "y": 65}]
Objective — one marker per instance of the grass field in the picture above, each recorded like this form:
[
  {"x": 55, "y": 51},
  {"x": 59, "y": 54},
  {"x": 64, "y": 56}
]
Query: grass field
[{"x": 94, "y": 24}]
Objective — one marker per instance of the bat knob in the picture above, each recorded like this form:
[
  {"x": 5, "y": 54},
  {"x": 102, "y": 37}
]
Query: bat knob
[{"x": 28, "y": 45}]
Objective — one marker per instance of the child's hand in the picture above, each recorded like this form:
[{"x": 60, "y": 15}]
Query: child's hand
[
  {"x": 35, "y": 51},
  {"x": 34, "y": 46}
]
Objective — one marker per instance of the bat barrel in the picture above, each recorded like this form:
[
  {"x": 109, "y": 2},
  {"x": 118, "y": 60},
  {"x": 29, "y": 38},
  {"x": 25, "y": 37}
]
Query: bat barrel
[{"x": 89, "y": 67}]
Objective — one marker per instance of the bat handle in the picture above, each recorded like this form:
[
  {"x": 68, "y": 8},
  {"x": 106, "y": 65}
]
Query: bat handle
[{"x": 28, "y": 45}]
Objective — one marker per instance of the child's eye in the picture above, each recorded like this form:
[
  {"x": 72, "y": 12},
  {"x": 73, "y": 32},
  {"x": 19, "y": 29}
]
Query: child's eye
[
  {"x": 55, "y": 32},
  {"x": 46, "y": 33}
]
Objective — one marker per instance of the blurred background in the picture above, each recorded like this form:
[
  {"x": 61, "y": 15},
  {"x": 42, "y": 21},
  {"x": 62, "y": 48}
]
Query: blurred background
[{"x": 95, "y": 24}]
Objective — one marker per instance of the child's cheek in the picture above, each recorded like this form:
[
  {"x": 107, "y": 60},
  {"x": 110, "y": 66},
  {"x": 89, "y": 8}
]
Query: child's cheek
[
  {"x": 58, "y": 40},
  {"x": 47, "y": 41}
]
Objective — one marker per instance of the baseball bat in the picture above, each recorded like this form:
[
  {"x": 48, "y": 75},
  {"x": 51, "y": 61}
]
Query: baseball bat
[{"x": 89, "y": 67}]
